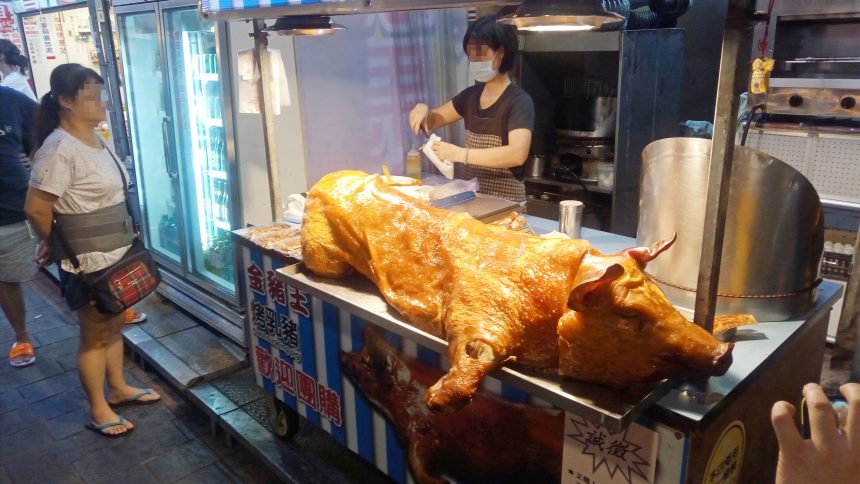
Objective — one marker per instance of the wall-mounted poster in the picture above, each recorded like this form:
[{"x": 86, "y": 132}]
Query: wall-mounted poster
[
  {"x": 25, "y": 5},
  {"x": 58, "y": 38},
  {"x": 9, "y": 26}
]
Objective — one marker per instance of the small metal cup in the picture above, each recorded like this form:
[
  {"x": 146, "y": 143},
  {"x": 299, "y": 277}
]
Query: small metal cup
[{"x": 570, "y": 218}]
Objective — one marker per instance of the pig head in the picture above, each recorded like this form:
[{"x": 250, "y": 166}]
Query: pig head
[
  {"x": 497, "y": 295},
  {"x": 622, "y": 330}
]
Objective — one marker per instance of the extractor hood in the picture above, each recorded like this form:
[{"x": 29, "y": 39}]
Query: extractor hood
[
  {"x": 568, "y": 15},
  {"x": 250, "y": 9}
]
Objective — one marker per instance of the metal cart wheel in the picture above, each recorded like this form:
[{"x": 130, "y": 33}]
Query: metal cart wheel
[{"x": 284, "y": 420}]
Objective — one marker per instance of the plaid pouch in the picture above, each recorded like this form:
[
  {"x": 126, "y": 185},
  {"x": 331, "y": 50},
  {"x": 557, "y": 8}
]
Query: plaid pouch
[{"x": 125, "y": 283}]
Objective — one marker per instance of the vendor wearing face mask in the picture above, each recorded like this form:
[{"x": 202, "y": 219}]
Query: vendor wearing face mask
[{"x": 498, "y": 115}]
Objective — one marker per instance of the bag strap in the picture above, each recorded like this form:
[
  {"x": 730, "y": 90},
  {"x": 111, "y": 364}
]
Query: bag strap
[
  {"x": 122, "y": 175},
  {"x": 66, "y": 247}
]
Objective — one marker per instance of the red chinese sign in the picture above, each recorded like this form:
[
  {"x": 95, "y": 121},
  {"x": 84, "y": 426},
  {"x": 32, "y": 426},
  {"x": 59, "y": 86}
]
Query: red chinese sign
[{"x": 300, "y": 385}]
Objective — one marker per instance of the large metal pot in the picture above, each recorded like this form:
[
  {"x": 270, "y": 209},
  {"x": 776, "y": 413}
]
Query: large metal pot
[
  {"x": 535, "y": 166},
  {"x": 585, "y": 116},
  {"x": 774, "y": 234}
]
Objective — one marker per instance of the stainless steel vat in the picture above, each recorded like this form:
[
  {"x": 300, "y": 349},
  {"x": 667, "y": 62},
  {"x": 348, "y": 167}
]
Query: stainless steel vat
[{"x": 774, "y": 229}]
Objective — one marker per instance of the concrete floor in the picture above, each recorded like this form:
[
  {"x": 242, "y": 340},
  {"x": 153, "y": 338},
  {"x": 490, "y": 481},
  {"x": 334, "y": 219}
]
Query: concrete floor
[{"x": 43, "y": 412}]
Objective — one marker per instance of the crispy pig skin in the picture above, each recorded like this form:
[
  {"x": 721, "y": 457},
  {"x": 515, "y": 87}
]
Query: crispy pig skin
[{"x": 497, "y": 295}]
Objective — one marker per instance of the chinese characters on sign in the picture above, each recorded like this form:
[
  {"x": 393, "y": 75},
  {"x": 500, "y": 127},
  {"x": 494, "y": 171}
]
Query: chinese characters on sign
[
  {"x": 31, "y": 33},
  {"x": 9, "y": 27},
  {"x": 724, "y": 466},
  {"x": 300, "y": 385},
  {"x": 279, "y": 329},
  {"x": 593, "y": 455}
]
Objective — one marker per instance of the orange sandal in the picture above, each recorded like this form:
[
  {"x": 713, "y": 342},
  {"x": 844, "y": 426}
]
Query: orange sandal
[
  {"x": 22, "y": 354},
  {"x": 133, "y": 317}
]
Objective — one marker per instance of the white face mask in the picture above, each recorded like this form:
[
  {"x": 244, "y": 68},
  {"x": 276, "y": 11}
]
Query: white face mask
[{"x": 482, "y": 71}]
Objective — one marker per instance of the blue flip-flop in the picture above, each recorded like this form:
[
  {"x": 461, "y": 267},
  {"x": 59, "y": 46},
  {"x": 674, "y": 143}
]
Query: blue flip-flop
[
  {"x": 100, "y": 429},
  {"x": 136, "y": 400}
]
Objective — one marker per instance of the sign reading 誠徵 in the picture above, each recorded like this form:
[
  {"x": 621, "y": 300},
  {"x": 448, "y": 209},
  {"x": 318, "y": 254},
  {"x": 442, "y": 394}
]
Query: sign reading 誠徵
[{"x": 594, "y": 455}]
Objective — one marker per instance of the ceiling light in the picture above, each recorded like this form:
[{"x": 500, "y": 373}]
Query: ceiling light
[
  {"x": 305, "y": 25},
  {"x": 566, "y": 16}
]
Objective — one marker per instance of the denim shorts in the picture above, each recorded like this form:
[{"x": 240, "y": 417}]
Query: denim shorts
[{"x": 74, "y": 290}]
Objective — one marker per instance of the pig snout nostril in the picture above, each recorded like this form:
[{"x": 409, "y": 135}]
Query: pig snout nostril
[{"x": 723, "y": 361}]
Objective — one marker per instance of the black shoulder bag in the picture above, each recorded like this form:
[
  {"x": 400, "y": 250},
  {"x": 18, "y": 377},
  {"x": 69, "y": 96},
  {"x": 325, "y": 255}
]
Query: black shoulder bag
[{"x": 126, "y": 282}]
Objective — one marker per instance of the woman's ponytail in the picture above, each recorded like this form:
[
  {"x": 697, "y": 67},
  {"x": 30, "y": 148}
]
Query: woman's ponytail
[
  {"x": 22, "y": 64},
  {"x": 47, "y": 120}
]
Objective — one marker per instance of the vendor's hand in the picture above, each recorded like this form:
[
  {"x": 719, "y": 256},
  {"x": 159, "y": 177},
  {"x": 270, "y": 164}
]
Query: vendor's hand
[
  {"x": 418, "y": 117},
  {"x": 448, "y": 152},
  {"x": 43, "y": 254},
  {"x": 830, "y": 455}
]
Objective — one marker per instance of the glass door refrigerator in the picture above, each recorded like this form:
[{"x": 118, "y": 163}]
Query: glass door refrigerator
[{"x": 179, "y": 130}]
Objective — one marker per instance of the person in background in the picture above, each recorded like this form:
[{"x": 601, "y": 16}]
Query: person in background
[
  {"x": 13, "y": 68},
  {"x": 17, "y": 241},
  {"x": 498, "y": 116},
  {"x": 831, "y": 455},
  {"x": 74, "y": 172}
]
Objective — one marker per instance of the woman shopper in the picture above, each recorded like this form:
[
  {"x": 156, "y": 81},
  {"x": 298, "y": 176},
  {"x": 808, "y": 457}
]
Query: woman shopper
[
  {"x": 13, "y": 69},
  {"x": 498, "y": 115},
  {"x": 74, "y": 173}
]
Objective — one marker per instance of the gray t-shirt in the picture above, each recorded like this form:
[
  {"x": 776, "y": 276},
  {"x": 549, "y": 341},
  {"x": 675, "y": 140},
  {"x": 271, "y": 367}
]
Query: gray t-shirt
[
  {"x": 489, "y": 128},
  {"x": 85, "y": 179}
]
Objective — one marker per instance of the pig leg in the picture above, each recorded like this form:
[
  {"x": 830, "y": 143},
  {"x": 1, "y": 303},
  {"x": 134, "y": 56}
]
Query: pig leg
[
  {"x": 420, "y": 455},
  {"x": 478, "y": 343},
  {"x": 320, "y": 250}
]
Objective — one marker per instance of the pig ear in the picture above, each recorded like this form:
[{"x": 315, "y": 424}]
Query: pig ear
[
  {"x": 578, "y": 299},
  {"x": 644, "y": 255}
]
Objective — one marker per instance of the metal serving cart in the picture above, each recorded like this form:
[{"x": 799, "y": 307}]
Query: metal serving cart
[{"x": 302, "y": 328}]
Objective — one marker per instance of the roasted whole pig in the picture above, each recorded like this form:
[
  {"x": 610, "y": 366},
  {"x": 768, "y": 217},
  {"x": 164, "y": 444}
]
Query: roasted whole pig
[
  {"x": 490, "y": 440},
  {"x": 497, "y": 295}
]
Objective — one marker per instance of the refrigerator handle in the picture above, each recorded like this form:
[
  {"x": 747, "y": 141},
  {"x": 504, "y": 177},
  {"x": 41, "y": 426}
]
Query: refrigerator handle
[{"x": 168, "y": 154}]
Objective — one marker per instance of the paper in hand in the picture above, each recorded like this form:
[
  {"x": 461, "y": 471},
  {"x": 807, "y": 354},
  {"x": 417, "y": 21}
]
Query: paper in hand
[{"x": 444, "y": 166}]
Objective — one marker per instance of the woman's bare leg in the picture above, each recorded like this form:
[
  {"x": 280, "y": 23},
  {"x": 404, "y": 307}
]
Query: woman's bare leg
[
  {"x": 118, "y": 387},
  {"x": 96, "y": 334}
]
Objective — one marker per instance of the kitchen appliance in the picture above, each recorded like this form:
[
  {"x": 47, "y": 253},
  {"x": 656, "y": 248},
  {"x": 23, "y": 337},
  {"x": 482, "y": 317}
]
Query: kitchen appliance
[
  {"x": 774, "y": 234},
  {"x": 586, "y": 87},
  {"x": 812, "y": 119},
  {"x": 179, "y": 139},
  {"x": 577, "y": 158},
  {"x": 817, "y": 69}
]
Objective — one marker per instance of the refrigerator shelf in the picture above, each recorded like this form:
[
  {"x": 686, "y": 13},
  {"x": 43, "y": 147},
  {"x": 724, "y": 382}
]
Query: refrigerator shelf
[
  {"x": 221, "y": 224},
  {"x": 218, "y": 174}
]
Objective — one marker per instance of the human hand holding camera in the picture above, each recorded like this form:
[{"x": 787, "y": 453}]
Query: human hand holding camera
[{"x": 831, "y": 454}]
